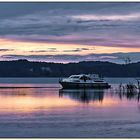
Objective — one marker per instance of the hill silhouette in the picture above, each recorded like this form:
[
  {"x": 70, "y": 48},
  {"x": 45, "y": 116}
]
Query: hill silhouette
[{"x": 25, "y": 68}]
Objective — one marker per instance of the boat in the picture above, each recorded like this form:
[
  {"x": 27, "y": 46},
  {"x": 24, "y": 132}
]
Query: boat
[{"x": 84, "y": 81}]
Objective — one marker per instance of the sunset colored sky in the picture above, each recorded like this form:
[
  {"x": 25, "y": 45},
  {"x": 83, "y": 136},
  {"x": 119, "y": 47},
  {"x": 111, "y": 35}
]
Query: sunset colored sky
[{"x": 70, "y": 32}]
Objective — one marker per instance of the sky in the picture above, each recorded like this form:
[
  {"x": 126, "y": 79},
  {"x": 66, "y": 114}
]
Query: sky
[{"x": 70, "y": 32}]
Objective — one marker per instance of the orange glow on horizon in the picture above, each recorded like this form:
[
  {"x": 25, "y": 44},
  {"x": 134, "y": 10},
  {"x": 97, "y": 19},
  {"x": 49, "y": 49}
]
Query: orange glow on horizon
[{"x": 27, "y": 48}]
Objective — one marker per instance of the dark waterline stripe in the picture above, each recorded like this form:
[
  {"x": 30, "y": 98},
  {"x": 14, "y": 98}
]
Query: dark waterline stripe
[{"x": 29, "y": 87}]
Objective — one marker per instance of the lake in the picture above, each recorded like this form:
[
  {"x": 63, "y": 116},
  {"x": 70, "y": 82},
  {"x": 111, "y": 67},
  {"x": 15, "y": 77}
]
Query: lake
[{"x": 53, "y": 112}]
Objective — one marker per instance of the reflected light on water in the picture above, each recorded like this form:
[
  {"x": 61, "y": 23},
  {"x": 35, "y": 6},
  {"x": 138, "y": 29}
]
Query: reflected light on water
[
  {"x": 53, "y": 111},
  {"x": 29, "y": 103},
  {"x": 32, "y": 100}
]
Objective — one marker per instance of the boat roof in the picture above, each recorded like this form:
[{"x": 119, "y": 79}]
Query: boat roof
[{"x": 80, "y": 75}]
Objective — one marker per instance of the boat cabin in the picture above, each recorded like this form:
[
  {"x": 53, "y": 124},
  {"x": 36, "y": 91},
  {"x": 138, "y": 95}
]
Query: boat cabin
[{"x": 80, "y": 77}]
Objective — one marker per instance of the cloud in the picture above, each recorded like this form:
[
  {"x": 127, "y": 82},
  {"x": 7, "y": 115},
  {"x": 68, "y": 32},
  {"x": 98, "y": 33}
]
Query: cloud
[
  {"x": 93, "y": 17},
  {"x": 114, "y": 57},
  {"x": 77, "y": 50},
  {"x": 108, "y": 57},
  {"x": 48, "y": 50},
  {"x": 5, "y": 50},
  {"x": 108, "y": 24}
]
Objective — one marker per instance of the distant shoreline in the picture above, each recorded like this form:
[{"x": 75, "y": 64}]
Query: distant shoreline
[{"x": 27, "y": 69}]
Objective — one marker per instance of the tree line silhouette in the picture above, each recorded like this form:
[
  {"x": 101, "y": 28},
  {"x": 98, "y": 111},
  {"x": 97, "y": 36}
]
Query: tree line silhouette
[{"x": 25, "y": 68}]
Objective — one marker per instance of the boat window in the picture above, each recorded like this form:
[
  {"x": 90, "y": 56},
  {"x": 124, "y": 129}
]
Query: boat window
[{"x": 85, "y": 78}]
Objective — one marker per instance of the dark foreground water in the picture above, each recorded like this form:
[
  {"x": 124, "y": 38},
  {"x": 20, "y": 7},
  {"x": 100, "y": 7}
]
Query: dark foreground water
[{"x": 52, "y": 112}]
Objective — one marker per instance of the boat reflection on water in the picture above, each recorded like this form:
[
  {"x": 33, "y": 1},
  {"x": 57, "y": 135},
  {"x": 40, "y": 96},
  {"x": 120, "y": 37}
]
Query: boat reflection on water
[{"x": 83, "y": 95}]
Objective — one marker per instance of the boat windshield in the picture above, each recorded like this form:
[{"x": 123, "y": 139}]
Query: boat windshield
[{"x": 76, "y": 77}]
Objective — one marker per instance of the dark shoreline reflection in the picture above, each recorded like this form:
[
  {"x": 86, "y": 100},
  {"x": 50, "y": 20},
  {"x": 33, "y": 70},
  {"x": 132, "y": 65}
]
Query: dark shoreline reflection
[{"x": 83, "y": 95}]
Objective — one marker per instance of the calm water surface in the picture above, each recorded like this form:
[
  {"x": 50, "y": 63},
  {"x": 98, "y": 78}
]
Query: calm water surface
[{"x": 52, "y": 112}]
